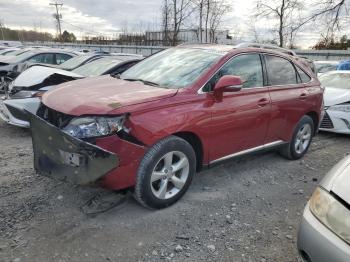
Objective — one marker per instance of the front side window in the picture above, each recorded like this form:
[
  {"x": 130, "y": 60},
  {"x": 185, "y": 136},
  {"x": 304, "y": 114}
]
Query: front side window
[
  {"x": 42, "y": 59},
  {"x": 248, "y": 67},
  {"x": 280, "y": 71},
  {"x": 61, "y": 58}
]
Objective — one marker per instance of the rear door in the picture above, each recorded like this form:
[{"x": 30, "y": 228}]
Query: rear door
[
  {"x": 239, "y": 122},
  {"x": 288, "y": 97}
]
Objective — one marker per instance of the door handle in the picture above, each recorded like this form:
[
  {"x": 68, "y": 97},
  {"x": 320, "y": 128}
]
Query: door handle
[
  {"x": 263, "y": 102},
  {"x": 303, "y": 96}
]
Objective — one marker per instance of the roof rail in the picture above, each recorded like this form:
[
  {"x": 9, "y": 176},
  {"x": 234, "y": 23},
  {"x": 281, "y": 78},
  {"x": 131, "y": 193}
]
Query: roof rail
[{"x": 266, "y": 46}]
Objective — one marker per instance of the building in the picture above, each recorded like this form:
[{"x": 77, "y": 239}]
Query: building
[{"x": 189, "y": 36}]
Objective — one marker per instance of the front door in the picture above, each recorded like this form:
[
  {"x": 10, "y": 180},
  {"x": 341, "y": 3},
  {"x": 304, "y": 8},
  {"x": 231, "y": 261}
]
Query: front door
[{"x": 240, "y": 120}]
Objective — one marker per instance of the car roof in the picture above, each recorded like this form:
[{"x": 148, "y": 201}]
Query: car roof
[
  {"x": 334, "y": 72},
  {"x": 326, "y": 62},
  {"x": 226, "y": 49}
]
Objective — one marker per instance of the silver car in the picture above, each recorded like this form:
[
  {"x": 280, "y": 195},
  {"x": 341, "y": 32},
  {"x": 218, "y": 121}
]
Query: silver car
[{"x": 324, "y": 233}]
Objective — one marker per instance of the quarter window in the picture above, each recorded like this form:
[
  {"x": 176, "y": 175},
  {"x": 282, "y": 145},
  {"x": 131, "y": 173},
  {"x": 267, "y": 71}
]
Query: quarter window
[
  {"x": 280, "y": 71},
  {"x": 247, "y": 67},
  {"x": 303, "y": 76}
]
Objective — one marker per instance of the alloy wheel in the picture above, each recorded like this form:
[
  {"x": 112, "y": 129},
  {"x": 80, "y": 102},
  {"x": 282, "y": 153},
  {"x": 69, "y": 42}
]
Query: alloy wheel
[
  {"x": 303, "y": 138},
  {"x": 170, "y": 175}
]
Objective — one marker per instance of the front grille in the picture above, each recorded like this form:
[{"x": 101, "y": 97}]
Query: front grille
[
  {"x": 54, "y": 117},
  {"x": 327, "y": 122},
  {"x": 17, "y": 113}
]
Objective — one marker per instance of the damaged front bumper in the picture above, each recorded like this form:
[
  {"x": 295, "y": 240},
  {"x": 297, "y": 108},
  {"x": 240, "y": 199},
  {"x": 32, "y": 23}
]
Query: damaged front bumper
[{"x": 63, "y": 157}]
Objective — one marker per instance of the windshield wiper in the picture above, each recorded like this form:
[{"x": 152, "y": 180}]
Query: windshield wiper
[{"x": 141, "y": 80}]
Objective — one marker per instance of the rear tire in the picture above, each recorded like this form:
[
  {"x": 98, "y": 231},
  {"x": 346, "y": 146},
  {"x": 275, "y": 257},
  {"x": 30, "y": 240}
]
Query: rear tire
[
  {"x": 165, "y": 173},
  {"x": 301, "y": 140}
]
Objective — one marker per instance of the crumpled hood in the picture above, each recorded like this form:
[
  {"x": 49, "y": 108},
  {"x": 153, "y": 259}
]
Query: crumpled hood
[
  {"x": 334, "y": 96},
  {"x": 37, "y": 75},
  {"x": 101, "y": 95},
  {"x": 338, "y": 180}
]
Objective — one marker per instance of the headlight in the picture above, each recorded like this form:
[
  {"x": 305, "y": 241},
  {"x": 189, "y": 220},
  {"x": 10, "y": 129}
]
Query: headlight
[
  {"x": 343, "y": 108},
  {"x": 331, "y": 213},
  {"x": 27, "y": 94},
  {"x": 94, "y": 126}
]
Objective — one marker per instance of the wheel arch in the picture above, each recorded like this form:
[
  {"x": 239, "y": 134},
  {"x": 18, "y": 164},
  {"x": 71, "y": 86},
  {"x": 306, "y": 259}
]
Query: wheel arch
[
  {"x": 196, "y": 144},
  {"x": 315, "y": 119}
]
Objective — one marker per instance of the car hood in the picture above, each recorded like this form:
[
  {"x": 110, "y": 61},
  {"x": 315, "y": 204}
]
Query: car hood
[
  {"x": 37, "y": 75},
  {"x": 335, "y": 96},
  {"x": 338, "y": 180},
  {"x": 101, "y": 95}
]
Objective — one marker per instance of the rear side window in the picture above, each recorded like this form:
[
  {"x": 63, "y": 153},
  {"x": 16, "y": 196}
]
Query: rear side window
[
  {"x": 42, "y": 59},
  {"x": 248, "y": 67},
  {"x": 61, "y": 58},
  {"x": 280, "y": 71},
  {"x": 303, "y": 76}
]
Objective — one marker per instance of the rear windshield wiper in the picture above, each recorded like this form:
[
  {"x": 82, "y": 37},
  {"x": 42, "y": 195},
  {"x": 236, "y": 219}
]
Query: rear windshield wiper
[{"x": 141, "y": 80}]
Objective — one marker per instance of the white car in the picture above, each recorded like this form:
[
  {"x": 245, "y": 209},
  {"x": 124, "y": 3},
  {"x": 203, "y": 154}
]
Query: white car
[
  {"x": 325, "y": 66},
  {"x": 336, "y": 101}
]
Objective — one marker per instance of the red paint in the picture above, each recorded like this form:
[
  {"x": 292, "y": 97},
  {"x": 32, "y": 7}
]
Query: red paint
[{"x": 225, "y": 125}]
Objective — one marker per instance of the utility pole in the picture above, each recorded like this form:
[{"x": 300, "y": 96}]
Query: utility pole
[{"x": 58, "y": 17}]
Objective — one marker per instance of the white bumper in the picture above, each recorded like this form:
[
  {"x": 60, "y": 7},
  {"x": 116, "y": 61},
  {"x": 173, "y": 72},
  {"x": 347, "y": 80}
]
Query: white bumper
[{"x": 336, "y": 121}]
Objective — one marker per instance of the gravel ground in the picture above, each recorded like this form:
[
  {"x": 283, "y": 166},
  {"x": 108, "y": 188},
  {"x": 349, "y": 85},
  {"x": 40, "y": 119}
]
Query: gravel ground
[{"x": 244, "y": 210}]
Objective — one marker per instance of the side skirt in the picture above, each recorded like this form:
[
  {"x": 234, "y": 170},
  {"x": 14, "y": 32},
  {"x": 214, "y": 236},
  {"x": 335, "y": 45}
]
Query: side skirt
[{"x": 275, "y": 144}]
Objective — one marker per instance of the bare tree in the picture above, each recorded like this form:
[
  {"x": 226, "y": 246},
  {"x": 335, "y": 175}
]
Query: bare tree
[
  {"x": 210, "y": 13},
  {"x": 175, "y": 13},
  {"x": 283, "y": 11},
  {"x": 217, "y": 11}
]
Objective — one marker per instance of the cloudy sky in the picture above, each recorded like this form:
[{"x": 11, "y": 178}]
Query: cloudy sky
[{"x": 111, "y": 16}]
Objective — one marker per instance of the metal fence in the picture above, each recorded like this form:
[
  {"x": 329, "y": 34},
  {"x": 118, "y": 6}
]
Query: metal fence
[{"x": 149, "y": 50}]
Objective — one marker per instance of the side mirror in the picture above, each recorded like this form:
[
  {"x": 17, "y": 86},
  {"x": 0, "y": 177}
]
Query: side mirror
[{"x": 228, "y": 83}]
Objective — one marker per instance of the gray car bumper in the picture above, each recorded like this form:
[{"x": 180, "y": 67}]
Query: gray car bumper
[
  {"x": 63, "y": 157},
  {"x": 316, "y": 243}
]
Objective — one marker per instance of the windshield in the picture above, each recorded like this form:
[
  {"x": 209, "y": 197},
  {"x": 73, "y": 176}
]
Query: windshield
[
  {"x": 338, "y": 80},
  {"x": 173, "y": 68},
  {"x": 74, "y": 62},
  {"x": 323, "y": 67},
  {"x": 97, "y": 67}
]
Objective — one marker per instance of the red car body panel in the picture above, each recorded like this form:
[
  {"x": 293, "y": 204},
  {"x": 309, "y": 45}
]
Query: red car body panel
[{"x": 239, "y": 121}]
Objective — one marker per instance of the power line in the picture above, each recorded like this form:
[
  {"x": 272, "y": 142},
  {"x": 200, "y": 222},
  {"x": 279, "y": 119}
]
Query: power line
[{"x": 58, "y": 16}]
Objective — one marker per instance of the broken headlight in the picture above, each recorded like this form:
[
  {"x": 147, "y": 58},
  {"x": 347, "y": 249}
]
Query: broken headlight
[
  {"x": 341, "y": 107},
  {"x": 27, "y": 94},
  {"x": 94, "y": 126},
  {"x": 331, "y": 213}
]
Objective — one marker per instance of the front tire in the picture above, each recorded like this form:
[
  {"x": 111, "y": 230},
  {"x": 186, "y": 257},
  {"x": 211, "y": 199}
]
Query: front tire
[
  {"x": 165, "y": 173},
  {"x": 301, "y": 140}
]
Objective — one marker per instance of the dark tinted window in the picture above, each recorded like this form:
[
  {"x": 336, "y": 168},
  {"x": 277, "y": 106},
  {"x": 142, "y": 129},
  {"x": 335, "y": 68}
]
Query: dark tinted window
[
  {"x": 61, "y": 58},
  {"x": 248, "y": 67},
  {"x": 123, "y": 68},
  {"x": 303, "y": 76},
  {"x": 42, "y": 58},
  {"x": 280, "y": 71}
]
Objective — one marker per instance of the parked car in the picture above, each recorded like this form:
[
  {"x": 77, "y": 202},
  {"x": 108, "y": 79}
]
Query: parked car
[
  {"x": 324, "y": 233},
  {"x": 337, "y": 102},
  {"x": 344, "y": 65},
  {"x": 325, "y": 66},
  {"x": 12, "y": 66},
  {"x": 8, "y": 51},
  {"x": 150, "y": 129},
  {"x": 27, "y": 89}
]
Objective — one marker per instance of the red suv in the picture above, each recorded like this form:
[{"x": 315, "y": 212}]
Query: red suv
[{"x": 151, "y": 128}]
